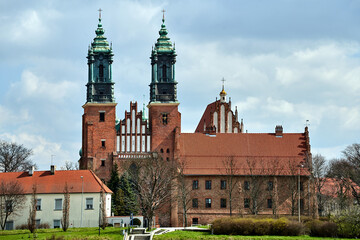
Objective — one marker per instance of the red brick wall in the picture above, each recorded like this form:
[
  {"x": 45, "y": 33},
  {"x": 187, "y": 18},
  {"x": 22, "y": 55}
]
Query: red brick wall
[{"x": 93, "y": 132}]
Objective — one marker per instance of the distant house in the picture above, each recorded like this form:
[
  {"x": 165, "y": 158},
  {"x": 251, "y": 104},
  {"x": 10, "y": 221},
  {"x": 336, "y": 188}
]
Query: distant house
[
  {"x": 337, "y": 195},
  {"x": 84, "y": 188}
]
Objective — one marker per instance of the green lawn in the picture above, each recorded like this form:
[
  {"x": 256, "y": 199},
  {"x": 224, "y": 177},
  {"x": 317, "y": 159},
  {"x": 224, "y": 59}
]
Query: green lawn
[
  {"x": 182, "y": 235},
  {"x": 71, "y": 233},
  {"x": 116, "y": 233}
]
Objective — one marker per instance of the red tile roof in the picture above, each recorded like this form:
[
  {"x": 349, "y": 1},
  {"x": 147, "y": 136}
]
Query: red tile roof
[
  {"x": 47, "y": 183},
  {"x": 331, "y": 187},
  {"x": 204, "y": 154}
]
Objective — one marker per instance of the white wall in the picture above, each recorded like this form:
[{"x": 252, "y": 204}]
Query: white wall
[{"x": 47, "y": 214}]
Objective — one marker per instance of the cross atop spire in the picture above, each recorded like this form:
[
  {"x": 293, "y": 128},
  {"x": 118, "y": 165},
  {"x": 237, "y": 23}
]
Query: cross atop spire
[
  {"x": 100, "y": 10},
  {"x": 223, "y": 83},
  {"x": 163, "y": 11}
]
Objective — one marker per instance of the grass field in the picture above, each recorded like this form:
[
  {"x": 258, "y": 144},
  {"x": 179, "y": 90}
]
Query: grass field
[
  {"x": 116, "y": 233},
  {"x": 182, "y": 235},
  {"x": 71, "y": 233}
]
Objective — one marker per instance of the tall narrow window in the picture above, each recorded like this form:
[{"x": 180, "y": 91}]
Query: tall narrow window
[
  {"x": 38, "y": 204},
  {"x": 164, "y": 73},
  {"x": 58, "y": 204},
  {"x": 208, "y": 202},
  {"x": 101, "y": 73},
  {"x": 208, "y": 184},
  {"x": 195, "y": 184},
  {"x": 223, "y": 202},
  {"x": 246, "y": 202},
  {"x": 247, "y": 185},
  {"x": 102, "y": 117},
  {"x": 223, "y": 184},
  {"x": 103, "y": 143},
  {"x": 269, "y": 203}
]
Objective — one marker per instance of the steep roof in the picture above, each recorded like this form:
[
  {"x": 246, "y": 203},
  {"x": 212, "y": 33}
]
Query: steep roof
[
  {"x": 47, "y": 183},
  {"x": 254, "y": 153},
  {"x": 206, "y": 118}
]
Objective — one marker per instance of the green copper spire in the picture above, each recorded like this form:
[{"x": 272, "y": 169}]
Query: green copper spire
[
  {"x": 100, "y": 86},
  {"x": 163, "y": 58}
]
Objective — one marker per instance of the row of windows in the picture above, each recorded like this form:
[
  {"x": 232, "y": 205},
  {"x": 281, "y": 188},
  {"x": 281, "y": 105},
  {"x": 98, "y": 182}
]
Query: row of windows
[
  {"x": 59, "y": 204},
  {"x": 270, "y": 185},
  {"x": 195, "y": 203}
]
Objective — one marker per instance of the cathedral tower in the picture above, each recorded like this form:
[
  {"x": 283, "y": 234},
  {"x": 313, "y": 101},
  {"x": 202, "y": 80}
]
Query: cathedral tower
[
  {"x": 164, "y": 117},
  {"x": 98, "y": 135}
]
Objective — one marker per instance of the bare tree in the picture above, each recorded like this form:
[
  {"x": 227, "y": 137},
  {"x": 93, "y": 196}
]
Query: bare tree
[
  {"x": 32, "y": 211},
  {"x": 319, "y": 170},
  {"x": 153, "y": 178},
  {"x": 103, "y": 220},
  {"x": 352, "y": 155},
  {"x": 232, "y": 179},
  {"x": 66, "y": 209},
  {"x": 183, "y": 190},
  {"x": 14, "y": 157},
  {"x": 256, "y": 184},
  {"x": 12, "y": 199},
  {"x": 292, "y": 184},
  {"x": 70, "y": 166}
]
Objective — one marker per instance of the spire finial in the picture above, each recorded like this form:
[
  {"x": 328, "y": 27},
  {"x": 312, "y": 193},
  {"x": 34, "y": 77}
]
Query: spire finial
[
  {"x": 100, "y": 10},
  {"x": 163, "y": 11},
  {"x": 223, "y": 83}
]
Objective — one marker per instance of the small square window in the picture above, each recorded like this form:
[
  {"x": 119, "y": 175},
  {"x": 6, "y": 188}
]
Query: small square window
[
  {"x": 246, "y": 202},
  {"x": 208, "y": 184},
  {"x": 195, "y": 221},
  {"x": 56, "y": 223},
  {"x": 58, "y": 204},
  {"x": 269, "y": 203},
  {"x": 102, "y": 117},
  {"x": 247, "y": 185},
  {"x": 195, "y": 203},
  {"x": 195, "y": 184},
  {"x": 223, "y": 184},
  {"x": 37, "y": 223},
  {"x": 9, "y": 225},
  {"x": 89, "y": 203},
  {"x": 38, "y": 204},
  {"x": 223, "y": 202},
  {"x": 103, "y": 143},
  {"x": 102, "y": 162},
  {"x": 208, "y": 202}
]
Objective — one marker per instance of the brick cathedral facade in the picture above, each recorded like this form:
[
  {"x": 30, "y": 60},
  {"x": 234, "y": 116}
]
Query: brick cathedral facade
[{"x": 280, "y": 159}]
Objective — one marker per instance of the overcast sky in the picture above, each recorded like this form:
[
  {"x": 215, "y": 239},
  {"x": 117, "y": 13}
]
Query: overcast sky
[{"x": 284, "y": 62}]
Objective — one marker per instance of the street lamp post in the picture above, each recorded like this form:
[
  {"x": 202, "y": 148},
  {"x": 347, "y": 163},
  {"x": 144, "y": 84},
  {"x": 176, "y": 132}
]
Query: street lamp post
[
  {"x": 82, "y": 199},
  {"x": 299, "y": 200}
]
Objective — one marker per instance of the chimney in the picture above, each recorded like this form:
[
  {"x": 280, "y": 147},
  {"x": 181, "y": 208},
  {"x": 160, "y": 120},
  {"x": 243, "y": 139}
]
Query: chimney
[
  {"x": 32, "y": 170},
  {"x": 52, "y": 169},
  {"x": 278, "y": 131}
]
